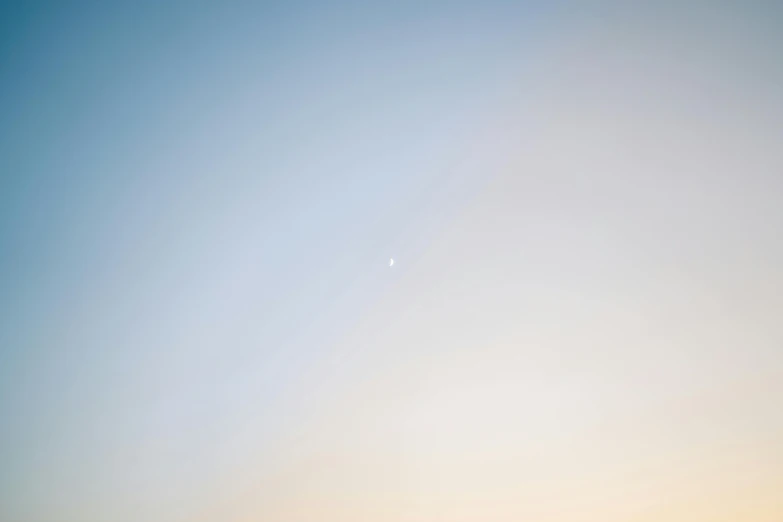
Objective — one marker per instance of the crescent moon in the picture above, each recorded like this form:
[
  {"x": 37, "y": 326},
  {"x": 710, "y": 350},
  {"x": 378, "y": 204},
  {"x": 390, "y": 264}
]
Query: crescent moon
[{"x": 391, "y": 262}]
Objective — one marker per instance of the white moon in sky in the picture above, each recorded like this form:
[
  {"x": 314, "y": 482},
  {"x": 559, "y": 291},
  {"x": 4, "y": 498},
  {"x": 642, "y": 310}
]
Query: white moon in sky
[{"x": 391, "y": 262}]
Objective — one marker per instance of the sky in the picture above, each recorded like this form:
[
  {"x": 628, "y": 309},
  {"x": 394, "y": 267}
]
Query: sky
[{"x": 199, "y": 201}]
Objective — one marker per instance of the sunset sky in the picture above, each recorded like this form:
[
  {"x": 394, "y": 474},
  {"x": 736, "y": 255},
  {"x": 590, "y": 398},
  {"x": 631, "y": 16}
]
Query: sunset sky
[{"x": 199, "y": 201}]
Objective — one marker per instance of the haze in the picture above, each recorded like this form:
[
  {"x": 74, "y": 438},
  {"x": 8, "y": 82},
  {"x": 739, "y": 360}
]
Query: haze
[{"x": 197, "y": 317}]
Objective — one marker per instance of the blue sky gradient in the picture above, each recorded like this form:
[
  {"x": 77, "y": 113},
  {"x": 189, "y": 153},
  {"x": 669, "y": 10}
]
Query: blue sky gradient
[{"x": 198, "y": 202}]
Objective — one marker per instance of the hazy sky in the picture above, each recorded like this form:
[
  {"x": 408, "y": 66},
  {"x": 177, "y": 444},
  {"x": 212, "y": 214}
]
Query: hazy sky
[{"x": 198, "y": 204}]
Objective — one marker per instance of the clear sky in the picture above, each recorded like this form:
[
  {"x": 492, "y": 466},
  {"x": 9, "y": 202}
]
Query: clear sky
[{"x": 199, "y": 200}]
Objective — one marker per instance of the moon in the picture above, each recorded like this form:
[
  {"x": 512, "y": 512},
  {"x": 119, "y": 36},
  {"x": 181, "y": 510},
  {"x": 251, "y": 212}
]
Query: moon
[{"x": 391, "y": 262}]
